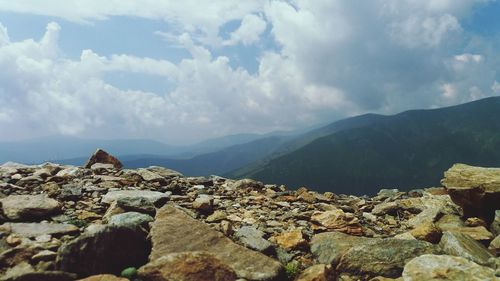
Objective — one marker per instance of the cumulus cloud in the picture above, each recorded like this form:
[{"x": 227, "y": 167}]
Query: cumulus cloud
[
  {"x": 330, "y": 59},
  {"x": 251, "y": 28}
]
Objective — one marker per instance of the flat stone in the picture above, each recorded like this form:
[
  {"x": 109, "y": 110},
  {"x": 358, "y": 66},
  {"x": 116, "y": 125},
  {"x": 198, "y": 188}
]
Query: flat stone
[
  {"x": 328, "y": 247},
  {"x": 136, "y": 204},
  {"x": 337, "y": 220},
  {"x": 103, "y": 277},
  {"x": 154, "y": 197},
  {"x": 106, "y": 250},
  {"x": 174, "y": 231},
  {"x": 383, "y": 257},
  {"x": 291, "y": 240},
  {"x": 427, "y": 232},
  {"x": 187, "y": 266},
  {"x": 101, "y": 156},
  {"x": 29, "y": 207},
  {"x": 133, "y": 219},
  {"x": 203, "y": 203},
  {"x": 252, "y": 238},
  {"x": 164, "y": 172},
  {"x": 217, "y": 216},
  {"x": 37, "y": 229},
  {"x": 494, "y": 246},
  {"x": 458, "y": 244},
  {"x": 42, "y": 276},
  {"x": 444, "y": 267},
  {"x": 475, "y": 189},
  {"x": 150, "y": 176}
]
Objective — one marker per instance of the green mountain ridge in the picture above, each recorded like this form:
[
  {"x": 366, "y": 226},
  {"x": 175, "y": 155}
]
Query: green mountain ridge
[{"x": 405, "y": 151}]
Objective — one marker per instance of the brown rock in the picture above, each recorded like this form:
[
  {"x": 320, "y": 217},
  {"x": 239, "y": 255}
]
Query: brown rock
[
  {"x": 338, "y": 220},
  {"x": 174, "y": 231},
  {"x": 101, "y": 156},
  {"x": 291, "y": 240},
  {"x": 103, "y": 277},
  {"x": 475, "y": 189},
  {"x": 318, "y": 272},
  {"x": 187, "y": 266},
  {"x": 427, "y": 232}
]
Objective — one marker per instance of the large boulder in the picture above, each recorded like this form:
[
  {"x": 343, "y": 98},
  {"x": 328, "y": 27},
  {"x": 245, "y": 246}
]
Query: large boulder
[
  {"x": 383, "y": 257},
  {"x": 107, "y": 250},
  {"x": 443, "y": 267},
  {"x": 101, "y": 156},
  {"x": 173, "y": 231},
  {"x": 187, "y": 266},
  {"x": 29, "y": 207},
  {"x": 475, "y": 189}
]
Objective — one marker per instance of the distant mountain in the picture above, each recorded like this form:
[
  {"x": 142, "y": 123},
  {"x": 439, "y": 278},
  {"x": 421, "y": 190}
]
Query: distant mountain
[
  {"x": 62, "y": 147},
  {"x": 218, "y": 162},
  {"x": 407, "y": 150}
]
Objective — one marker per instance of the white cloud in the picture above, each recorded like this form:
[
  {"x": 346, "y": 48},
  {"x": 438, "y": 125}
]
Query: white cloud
[
  {"x": 249, "y": 32},
  {"x": 331, "y": 59}
]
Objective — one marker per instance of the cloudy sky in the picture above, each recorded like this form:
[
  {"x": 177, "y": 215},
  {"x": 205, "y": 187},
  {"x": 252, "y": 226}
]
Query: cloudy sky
[{"x": 182, "y": 71}]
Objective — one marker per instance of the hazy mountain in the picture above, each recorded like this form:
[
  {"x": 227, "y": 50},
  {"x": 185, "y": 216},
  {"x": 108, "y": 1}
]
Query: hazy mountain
[
  {"x": 407, "y": 150},
  {"x": 62, "y": 147}
]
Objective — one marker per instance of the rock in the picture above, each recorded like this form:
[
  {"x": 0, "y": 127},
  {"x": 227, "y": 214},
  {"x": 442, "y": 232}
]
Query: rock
[
  {"x": 495, "y": 225},
  {"x": 131, "y": 219},
  {"x": 385, "y": 208},
  {"x": 427, "y": 232},
  {"x": 164, "y": 172},
  {"x": 29, "y": 207},
  {"x": 101, "y": 167},
  {"x": 318, "y": 272},
  {"x": 43, "y": 276},
  {"x": 494, "y": 246},
  {"x": 252, "y": 238},
  {"x": 203, "y": 203},
  {"x": 458, "y": 244},
  {"x": 108, "y": 250},
  {"x": 291, "y": 240},
  {"x": 155, "y": 197},
  {"x": 338, "y": 220},
  {"x": 383, "y": 257},
  {"x": 328, "y": 247},
  {"x": 136, "y": 204},
  {"x": 44, "y": 255},
  {"x": 475, "y": 189},
  {"x": 217, "y": 216},
  {"x": 150, "y": 176},
  {"x": 70, "y": 193},
  {"x": 187, "y": 266},
  {"x": 38, "y": 229},
  {"x": 443, "y": 267},
  {"x": 101, "y": 156},
  {"x": 247, "y": 184},
  {"x": 455, "y": 224},
  {"x": 103, "y": 277},
  {"x": 173, "y": 231}
]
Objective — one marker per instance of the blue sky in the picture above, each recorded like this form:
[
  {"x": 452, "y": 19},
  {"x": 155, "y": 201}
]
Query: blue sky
[{"x": 183, "y": 71}]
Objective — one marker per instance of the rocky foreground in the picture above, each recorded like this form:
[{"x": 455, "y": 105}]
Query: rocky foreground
[{"x": 102, "y": 222}]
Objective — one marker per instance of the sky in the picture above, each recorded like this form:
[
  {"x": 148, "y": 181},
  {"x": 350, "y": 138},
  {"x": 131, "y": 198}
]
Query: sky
[{"x": 184, "y": 71}]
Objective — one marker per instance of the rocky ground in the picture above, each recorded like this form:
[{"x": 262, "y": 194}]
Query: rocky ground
[{"x": 102, "y": 222}]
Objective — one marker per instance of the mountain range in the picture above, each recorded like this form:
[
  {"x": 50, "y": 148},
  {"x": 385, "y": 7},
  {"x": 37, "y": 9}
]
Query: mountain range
[{"x": 357, "y": 155}]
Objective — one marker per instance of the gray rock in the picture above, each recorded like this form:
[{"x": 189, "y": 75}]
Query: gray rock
[
  {"x": 253, "y": 239},
  {"x": 495, "y": 225},
  {"x": 458, "y": 244},
  {"x": 383, "y": 257},
  {"x": 494, "y": 246},
  {"x": 164, "y": 172},
  {"x": 444, "y": 267},
  {"x": 173, "y": 231},
  {"x": 29, "y": 207},
  {"x": 133, "y": 219},
  {"x": 108, "y": 250},
  {"x": 70, "y": 192},
  {"x": 37, "y": 229},
  {"x": 155, "y": 197},
  {"x": 150, "y": 176},
  {"x": 136, "y": 204}
]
